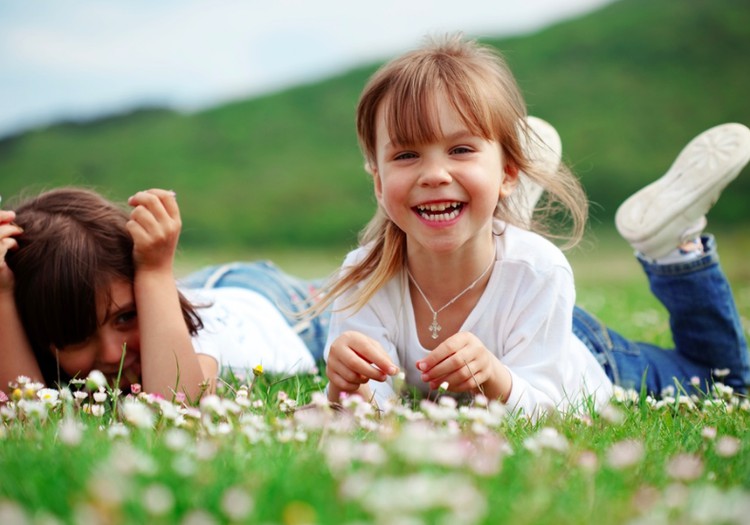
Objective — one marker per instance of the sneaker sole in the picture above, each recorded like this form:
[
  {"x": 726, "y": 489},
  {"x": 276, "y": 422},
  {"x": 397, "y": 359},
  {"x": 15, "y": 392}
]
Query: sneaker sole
[{"x": 654, "y": 219}]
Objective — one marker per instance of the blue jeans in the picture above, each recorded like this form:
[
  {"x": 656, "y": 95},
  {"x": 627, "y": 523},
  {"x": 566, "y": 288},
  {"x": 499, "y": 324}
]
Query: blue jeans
[
  {"x": 289, "y": 294},
  {"x": 706, "y": 330}
]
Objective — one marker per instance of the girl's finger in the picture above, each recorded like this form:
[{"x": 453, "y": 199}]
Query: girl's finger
[
  {"x": 158, "y": 201},
  {"x": 468, "y": 377},
  {"x": 7, "y": 239},
  {"x": 145, "y": 219},
  {"x": 360, "y": 366},
  {"x": 368, "y": 352},
  {"x": 470, "y": 385},
  {"x": 7, "y": 216},
  {"x": 447, "y": 365},
  {"x": 149, "y": 201},
  {"x": 347, "y": 373},
  {"x": 444, "y": 350},
  {"x": 157, "y": 212},
  {"x": 7, "y": 229},
  {"x": 137, "y": 232},
  {"x": 169, "y": 200},
  {"x": 342, "y": 383},
  {"x": 8, "y": 243}
]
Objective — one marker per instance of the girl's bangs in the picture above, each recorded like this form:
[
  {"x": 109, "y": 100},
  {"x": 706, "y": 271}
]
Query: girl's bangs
[
  {"x": 71, "y": 310},
  {"x": 411, "y": 112}
]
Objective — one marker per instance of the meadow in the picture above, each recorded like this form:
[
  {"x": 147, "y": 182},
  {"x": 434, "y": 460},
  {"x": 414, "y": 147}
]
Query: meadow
[
  {"x": 268, "y": 449},
  {"x": 626, "y": 87}
]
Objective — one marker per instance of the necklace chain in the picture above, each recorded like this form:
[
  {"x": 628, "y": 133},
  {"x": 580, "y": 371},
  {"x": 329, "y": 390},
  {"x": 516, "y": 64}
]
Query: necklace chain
[{"x": 434, "y": 326}]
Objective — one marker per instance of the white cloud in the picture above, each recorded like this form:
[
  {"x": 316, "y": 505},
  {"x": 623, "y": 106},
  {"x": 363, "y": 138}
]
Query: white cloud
[{"x": 70, "y": 58}]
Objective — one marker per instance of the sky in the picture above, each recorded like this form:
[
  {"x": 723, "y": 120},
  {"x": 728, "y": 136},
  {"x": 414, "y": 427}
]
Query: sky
[{"x": 78, "y": 59}]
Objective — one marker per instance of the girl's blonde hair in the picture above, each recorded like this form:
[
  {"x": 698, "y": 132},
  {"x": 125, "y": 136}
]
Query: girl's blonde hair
[{"x": 479, "y": 85}]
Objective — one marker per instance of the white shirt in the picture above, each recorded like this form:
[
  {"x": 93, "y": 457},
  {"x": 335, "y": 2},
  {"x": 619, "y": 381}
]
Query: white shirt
[
  {"x": 524, "y": 318},
  {"x": 243, "y": 329}
]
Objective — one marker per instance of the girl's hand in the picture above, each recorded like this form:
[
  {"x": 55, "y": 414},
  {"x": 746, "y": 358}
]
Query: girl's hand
[
  {"x": 155, "y": 226},
  {"x": 353, "y": 360},
  {"x": 466, "y": 364},
  {"x": 16, "y": 356},
  {"x": 7, "y": 243}
]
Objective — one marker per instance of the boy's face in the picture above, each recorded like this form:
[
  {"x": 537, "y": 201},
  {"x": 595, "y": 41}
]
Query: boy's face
[
  {"x": 117, "y": 328},
  {"x": 442, "y": 194}
]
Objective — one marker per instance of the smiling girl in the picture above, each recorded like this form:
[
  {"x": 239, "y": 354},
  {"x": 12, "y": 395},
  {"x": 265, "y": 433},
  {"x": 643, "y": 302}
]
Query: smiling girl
[{"x": 450, "y": 286}]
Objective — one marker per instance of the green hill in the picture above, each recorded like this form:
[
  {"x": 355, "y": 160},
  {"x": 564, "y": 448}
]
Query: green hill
[{"x": 626, "y": 86}]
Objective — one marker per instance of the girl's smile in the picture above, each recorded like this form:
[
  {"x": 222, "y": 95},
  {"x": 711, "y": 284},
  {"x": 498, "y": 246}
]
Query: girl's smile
[
  {"x": 442, "y": 194},
  {"x": 441, "y": 212}
]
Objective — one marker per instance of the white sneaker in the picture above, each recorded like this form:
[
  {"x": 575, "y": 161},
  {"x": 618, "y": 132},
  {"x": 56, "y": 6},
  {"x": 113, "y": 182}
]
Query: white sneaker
[
  {"x": 672, "y": 209},
  {"x": 544, "y": 150}
]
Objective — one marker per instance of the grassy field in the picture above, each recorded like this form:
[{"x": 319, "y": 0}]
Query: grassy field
[
  {"x": 626, "y": 86},
  {"x": 248, "y": 456},
  {"x": 270, "y": 450}
]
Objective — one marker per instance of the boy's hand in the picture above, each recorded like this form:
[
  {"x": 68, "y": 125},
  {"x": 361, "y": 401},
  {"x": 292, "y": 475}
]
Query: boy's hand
[
  {"x": 466, "y": 364},
  {"x": 155, "y": 226},
  {"x": 353, "y": 360}
]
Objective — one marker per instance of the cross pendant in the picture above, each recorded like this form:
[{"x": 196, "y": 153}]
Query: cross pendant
[{"x": 435, "y": 327}]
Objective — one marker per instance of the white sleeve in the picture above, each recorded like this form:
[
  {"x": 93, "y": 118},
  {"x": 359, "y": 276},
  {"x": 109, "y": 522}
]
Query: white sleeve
[
  {"x": 537, "y": 345},
  {"x": 371, "y": 320}
]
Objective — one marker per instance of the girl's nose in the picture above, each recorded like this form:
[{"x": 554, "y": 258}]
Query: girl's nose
[
  {"x": 110, "y": 352},
  {"x": 434, "y": 172}
]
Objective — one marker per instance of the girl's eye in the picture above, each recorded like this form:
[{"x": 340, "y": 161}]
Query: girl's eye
[
  {"x": 405, "y": 156},
  {"x": 74, "y": 347},
  {"x": 126, "y": 317},
  {"x": 462, "y": 149}
]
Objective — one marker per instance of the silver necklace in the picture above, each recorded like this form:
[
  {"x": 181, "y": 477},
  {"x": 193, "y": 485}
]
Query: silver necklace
[{"x": 434, "y": 326}]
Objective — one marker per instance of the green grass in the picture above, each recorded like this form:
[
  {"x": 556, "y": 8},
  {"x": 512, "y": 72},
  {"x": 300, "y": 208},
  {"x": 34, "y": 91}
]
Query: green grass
[
  {"x": 234, "y": 462},
  {"x": 626, "y": 86},
  {"x": 246, "y": 456}
]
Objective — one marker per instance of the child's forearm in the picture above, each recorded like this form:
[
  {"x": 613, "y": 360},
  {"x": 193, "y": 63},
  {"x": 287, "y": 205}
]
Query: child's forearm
[
  {"x": 169, "y": 363},
  {"x": 500, "y": 384},
  {"x": 16, "y": 356}
]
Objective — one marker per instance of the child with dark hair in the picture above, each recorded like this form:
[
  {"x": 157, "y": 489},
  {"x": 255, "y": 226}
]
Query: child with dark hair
[{"x": 86, "y": 285}]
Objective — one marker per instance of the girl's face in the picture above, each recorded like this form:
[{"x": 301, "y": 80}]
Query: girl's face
[
  {"x": 442, "y": 194},
  {"x": 117, "y": 328}
]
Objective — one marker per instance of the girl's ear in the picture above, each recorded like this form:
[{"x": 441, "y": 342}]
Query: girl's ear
[
  {"x": 510, "y": 180},
  {"x": 377, "y": 183}
]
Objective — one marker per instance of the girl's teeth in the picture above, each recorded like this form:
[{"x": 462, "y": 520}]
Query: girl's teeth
[
  {"x": 438, "y": 207},
  {"x": 439, "y": 212}
]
